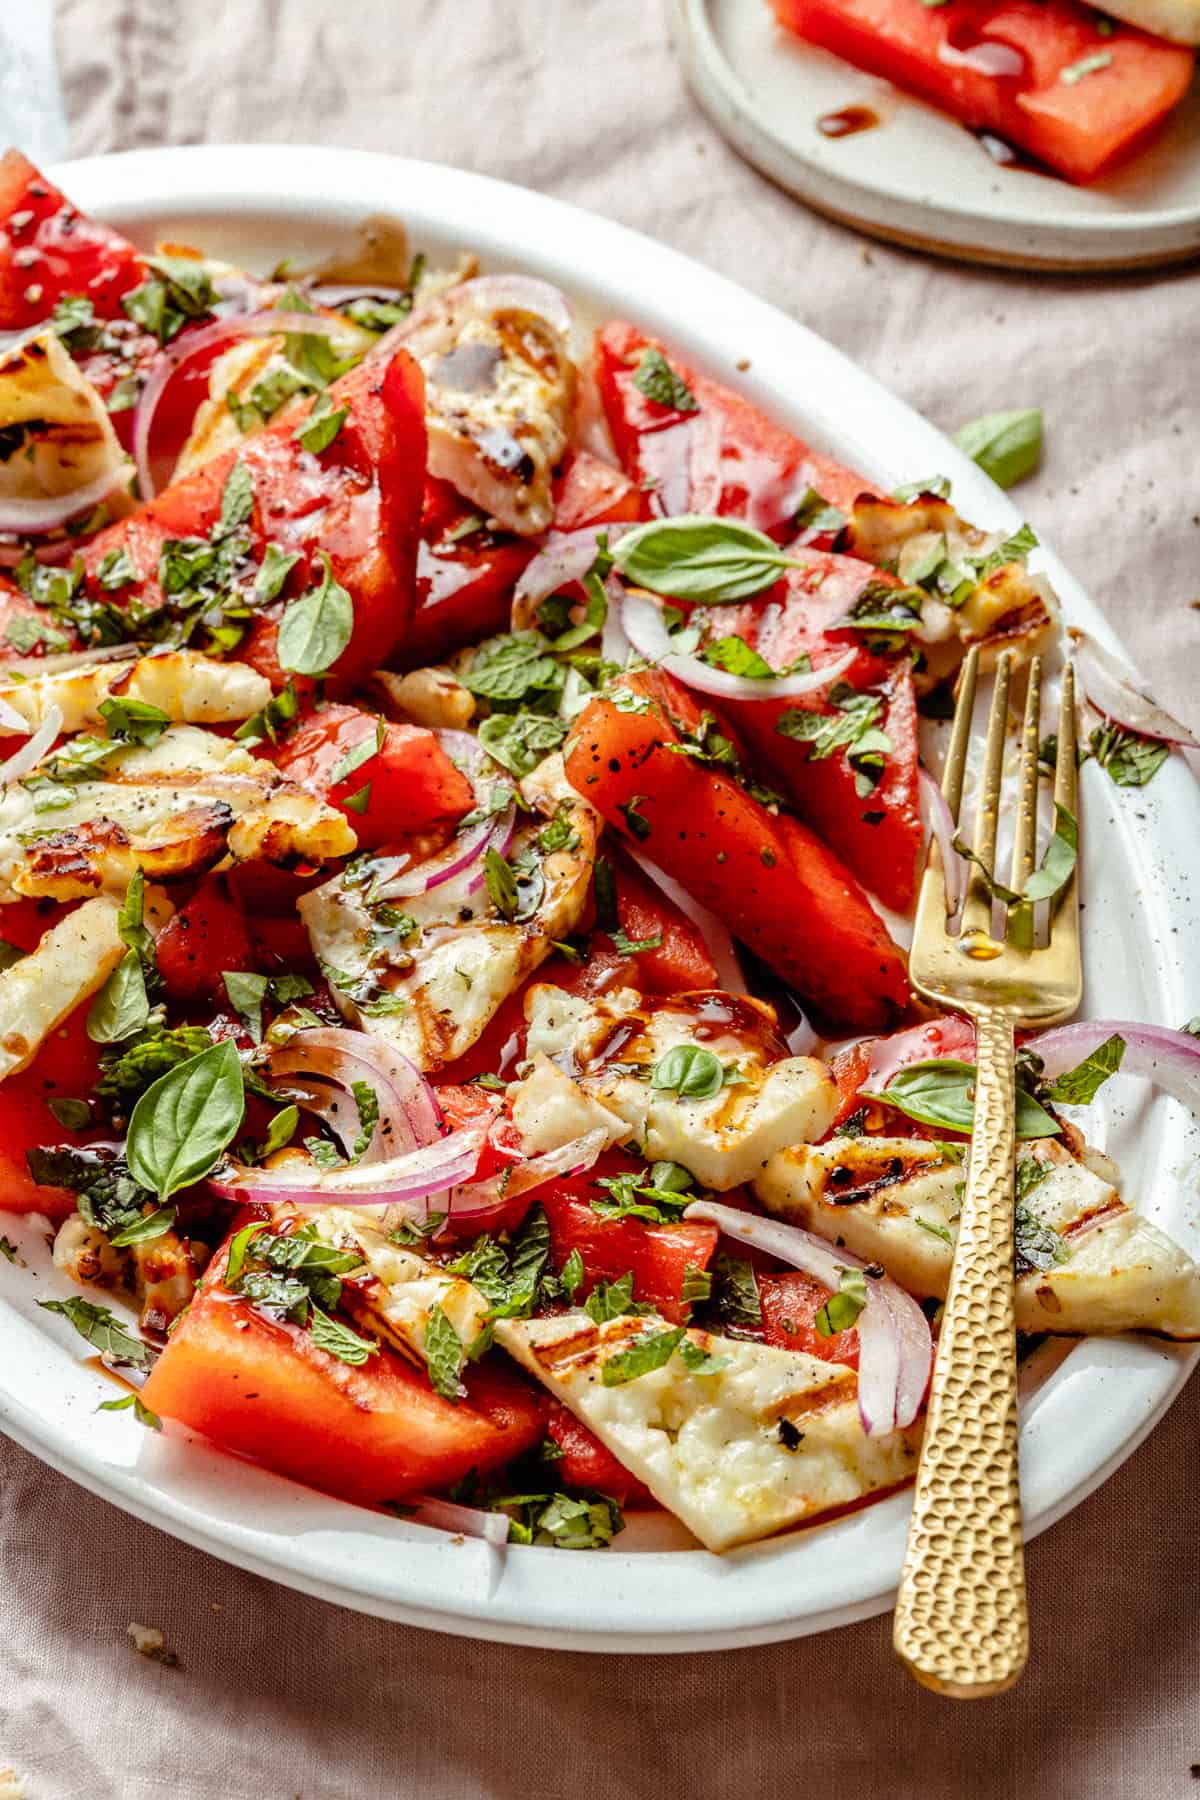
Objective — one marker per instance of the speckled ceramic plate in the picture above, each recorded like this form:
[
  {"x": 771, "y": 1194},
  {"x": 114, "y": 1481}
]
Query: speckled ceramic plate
[
  {"x": 655, "y": 1590},
  {"x": 917, "y": 177}
]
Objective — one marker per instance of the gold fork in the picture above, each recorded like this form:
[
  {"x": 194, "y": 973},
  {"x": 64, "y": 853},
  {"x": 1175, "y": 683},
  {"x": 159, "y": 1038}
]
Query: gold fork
[{"x": 961, "y": 1624}]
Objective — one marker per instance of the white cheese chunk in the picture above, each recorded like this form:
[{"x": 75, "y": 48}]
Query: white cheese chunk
[
  {"x": 173, "y": 809},
  {"x": 896, "y": 1201},
  {"x": 709, "y": 1446},
  {"x": 62, "y": 433},
  {"x": 611, "y": 1046},
  {"x": 190, "y": 688},
  {"x": 443, "y": 986},
  {"x": 73, "y": 960}
]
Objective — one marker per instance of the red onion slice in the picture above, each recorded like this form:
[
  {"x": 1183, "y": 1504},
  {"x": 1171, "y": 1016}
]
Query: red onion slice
[
  {"x": 1117, "y": 692},
  {"x": 717, "y": 936},
  {"x": 463, "y": 1521},
  {"x": 565, "y": 557},
  {"x": 484, "y": 295},
  {"x": 643, "y": 621},
  {"x": 895, "y": 1346},
  {"x": 409, "y": 1114},
  {"x": 50, "y": 514},
  {"x": 415, "y": 1181},
  {"x": 615, "y": 647},
  {"x": 212, "y": 338},
  {"x": 482, "y": 1197},
  {"x": 26, "y": 759},
  {"x": 29, "y": 667},
  {"x": 1169, "y": 1059},
  {"x": 935, "y": 812}
]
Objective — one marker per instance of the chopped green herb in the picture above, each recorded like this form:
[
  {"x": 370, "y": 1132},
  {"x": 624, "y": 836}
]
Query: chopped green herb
[
  {"x": 444, "y": 1355},
  {"x": 690, "y": 1071},
  {"x": 317, "y": 627},
  {"x": 134, "y": 1403},
  {"x": 655, "y": 378},
  {"x": 1006, "y": 445},
  {"x": 1130, "y": 759},
  {"x": 102, "y": 1330}
]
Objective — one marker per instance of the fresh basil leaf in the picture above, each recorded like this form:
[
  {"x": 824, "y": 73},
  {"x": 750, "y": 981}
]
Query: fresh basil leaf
[
  {"x": 655, "y": 378},
  {"x": 317, "y": 627},
  {"x": 941, "y": 1092},
  {"x": 274, "y": 569},
  {"x": 338, "y": 1340},
  {"x": 132, "y": 929},
  {"x": 501, "y": 884},
  {"x": 638, "y": 827},
  {"x": 103, "y": 1331},
  {"x": 121, "y": 1008},
  {"x": 815, "y": 513},
  {"x": 696, "y": 1286},
  {"x": 841, "y": 1310},
  {"x": 1036, "y": 1244},
  {"x": 72, "y": 1115},
  {"x": 149, "y": 1225},
  {"x": 935, "y": 1228},
  {"x": 573, "y": 1274},
  {"x": 237, "y": 498},
  {"x": 247, "y": 993},
  {"x": 1006, "y": 445},
  {"x": 519, "y": 741},
  {"x": 611, "y": 1299},
  {"x": 735, "y": 1297},
  {"x": 239, "y": 1245},
  {"x": 133, "y": 721},
  {"x": 1079, "y": 1086},
  {"x": 1058, "y": 863},
  {"x": 698, "y": 1361},
  {"x": 444, "y": 1355},
  {"x": 117, "y": 569},
  {"x": 141, "y": 1411},
  {"x": 648, "y": 1351},
  {"x": 183, "y": 1123},
  {"x": 274, "y": 721},
  {"x": 736, "y": 657},
  {"x": 690, "y": 1071},
  {"x": 509, "y": 669},
  {"x": 694, "y": 557},
  {"x": 1129, "y": 759},
  {"x": 316, "y": 432}
]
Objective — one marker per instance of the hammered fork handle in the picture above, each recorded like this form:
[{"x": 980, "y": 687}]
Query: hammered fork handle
[{"x": 961, "y": 1624}]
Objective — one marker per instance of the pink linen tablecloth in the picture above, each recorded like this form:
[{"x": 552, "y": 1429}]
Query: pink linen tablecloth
[{"x": 276, "y": 1695}]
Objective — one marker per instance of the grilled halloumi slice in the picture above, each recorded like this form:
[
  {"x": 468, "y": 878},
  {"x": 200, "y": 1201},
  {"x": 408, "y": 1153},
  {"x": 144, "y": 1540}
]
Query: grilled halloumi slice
[
  {"x": 611, "y": 1045},
  {"x": 55, "y": 432},
  {"x": 550, "y": 1110},
  {"x": 173, "y": 809},
  {"x": 73, "y": 961},
  {"x": 1006, "y": 609},
  {"x": 191, "y": 689},
  {"x": 433, "y": 995},
  {"x": 401, "y": 1288},
  {"x": 499, "y": 391},
  {"x": 709, "y": 1446},
  {"x": 896, "y": 1201}
]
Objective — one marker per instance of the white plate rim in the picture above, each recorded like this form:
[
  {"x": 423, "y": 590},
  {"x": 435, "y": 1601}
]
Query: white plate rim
[
  {"x": 1092, "y": 1412},
  {"x": 1003, "y": 235}
]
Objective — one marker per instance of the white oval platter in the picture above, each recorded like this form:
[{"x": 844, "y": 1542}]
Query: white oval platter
[
  {"x": 918, "y": 178},
  {"x": 655, "y": 1590}
]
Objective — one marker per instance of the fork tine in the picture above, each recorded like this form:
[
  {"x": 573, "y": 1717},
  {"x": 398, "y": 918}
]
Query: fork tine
[
  {"x": 1025, "y": 840},
  {"x": 1064, "y": 920},
  {"x": 977, "y": 910},
  {"x": 960, "y": 734}
]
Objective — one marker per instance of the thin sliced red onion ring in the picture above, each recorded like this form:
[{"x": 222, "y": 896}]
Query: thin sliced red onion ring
[
  {"x": 62, "y": 661},
  {"x": 339, "y": 294},
  {"x": 1169, "y": 1059},
  {"x": 463, "y": 1521},
  {"x": 417, "y": 1181},
  {"x": 573, "y": 1158},
  {"x": 565, "y": 557},
  {"x": 643, "y": 621},
  {"x": 487, "y": 294},
  {"x": 35, "y": 516},
  {"x": 935, "y": 813},
  {"x": 26, "y": 759},
  {"x": 409, "y": 1115},
  {"x": 716, "y": 935},
  {"x": 1116, "y": 691},
  {"x": 614, "y": 645},
  {"x": 895, "y": 1346},
  {"x": 214, "y": 338}
]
